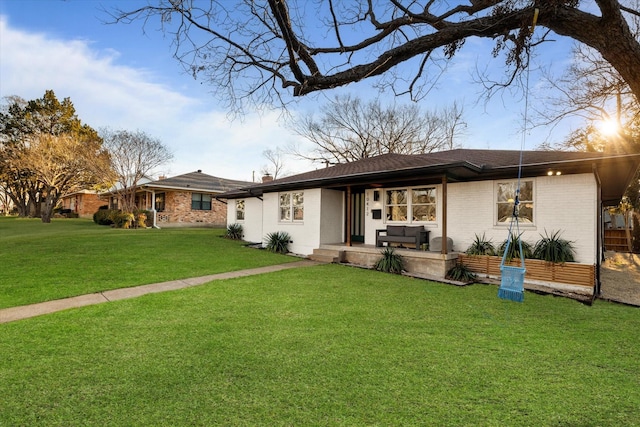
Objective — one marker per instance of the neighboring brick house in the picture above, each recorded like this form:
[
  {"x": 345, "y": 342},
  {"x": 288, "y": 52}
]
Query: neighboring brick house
[
  {"x": 84, "y": 203},
  {"x": 187, "y": 200}
]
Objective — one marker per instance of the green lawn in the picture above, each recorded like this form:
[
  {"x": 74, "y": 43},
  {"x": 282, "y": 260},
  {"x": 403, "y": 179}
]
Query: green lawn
[
  {"x": 69, "y": 257},
  {"x": 323, "y": 346}
]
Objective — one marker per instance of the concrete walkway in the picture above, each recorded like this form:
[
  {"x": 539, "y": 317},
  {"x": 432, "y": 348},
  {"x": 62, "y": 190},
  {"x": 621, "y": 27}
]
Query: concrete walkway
[{"x": 23, "y": 312}]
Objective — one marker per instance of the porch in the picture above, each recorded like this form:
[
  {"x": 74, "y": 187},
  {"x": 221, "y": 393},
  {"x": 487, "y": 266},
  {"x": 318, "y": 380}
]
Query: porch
[
  {"x": 573, "y": 280},
  {"x": 429, "y": 265}
]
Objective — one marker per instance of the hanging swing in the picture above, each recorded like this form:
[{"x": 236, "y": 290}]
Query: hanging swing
[{"x": 512, "y": 277}]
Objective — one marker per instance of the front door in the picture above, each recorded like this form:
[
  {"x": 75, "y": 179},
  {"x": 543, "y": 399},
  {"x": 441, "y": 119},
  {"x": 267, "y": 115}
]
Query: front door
[{"x": 357, "y": 217}]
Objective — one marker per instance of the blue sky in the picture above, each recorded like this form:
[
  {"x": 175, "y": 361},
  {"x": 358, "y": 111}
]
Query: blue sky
[{"x": 120, "y": 77}]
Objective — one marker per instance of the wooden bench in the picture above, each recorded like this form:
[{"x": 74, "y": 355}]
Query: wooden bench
[{"x": 414, "y": 235}]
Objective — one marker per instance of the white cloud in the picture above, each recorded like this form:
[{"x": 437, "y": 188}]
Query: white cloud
[{"x": 107, "y": 94}]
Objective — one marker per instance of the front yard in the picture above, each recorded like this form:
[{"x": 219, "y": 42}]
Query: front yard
[
  {"x": 69, "y": 257},
  {"x": 326, "y": 345}
]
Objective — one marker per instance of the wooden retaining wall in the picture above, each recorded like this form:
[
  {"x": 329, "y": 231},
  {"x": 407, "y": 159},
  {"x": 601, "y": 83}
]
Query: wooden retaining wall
[{"x": 571, "y": 273}]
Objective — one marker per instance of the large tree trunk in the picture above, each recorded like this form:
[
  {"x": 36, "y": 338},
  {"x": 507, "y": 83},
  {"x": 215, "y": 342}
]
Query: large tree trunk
[
  {"x": 49, "y": 203},
  {"x": 610, "y": 35}
]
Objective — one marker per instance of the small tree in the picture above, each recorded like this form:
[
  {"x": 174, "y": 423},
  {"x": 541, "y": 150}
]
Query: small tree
[{"x": 133, "y": 155}]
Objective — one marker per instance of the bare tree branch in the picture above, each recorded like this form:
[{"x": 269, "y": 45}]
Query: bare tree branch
[{"x": 263, "y": 53}]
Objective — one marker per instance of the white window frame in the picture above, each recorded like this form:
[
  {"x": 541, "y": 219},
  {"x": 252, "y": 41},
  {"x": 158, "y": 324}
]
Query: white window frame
[
  {"x": 408, "y": 205},
  {"x": 525, "y": 204},
  {"x": 291, "y": 206}
]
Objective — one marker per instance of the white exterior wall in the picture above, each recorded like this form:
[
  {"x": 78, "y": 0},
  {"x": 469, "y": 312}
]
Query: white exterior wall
[
  {"x": 566, "y": 203},
  {"x": 252, "y": 223},
  {"x": 371, "y": 225},
  {"x": 305, "y": 234}
]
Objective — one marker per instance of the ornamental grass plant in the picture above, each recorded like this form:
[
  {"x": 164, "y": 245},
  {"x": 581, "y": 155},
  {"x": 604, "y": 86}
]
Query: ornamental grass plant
[
  {"x": 552, "y": 248},
  {"x": 390, "y": 262}
]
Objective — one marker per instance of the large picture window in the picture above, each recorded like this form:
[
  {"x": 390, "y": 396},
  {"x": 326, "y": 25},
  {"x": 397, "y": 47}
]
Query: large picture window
[
  {"x": 409, "y": 205},
  {"x": 200, "y": 202},
  {"x": 239, "y": 210},
  {"x": 292, "y": 206},
  {"x": 506, "y": 195}
]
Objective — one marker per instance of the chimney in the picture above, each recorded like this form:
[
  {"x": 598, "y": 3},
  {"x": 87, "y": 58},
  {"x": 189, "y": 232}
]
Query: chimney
[
  {"x": 161, "y": 177},
  {"x": 199, "y": 170},
  {"x": 267, "y": 177}
]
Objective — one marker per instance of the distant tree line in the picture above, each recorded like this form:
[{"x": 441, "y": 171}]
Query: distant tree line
[{"x": 46, "y": 152}]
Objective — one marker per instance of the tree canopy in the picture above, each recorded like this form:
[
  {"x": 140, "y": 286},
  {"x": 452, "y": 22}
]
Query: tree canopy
[
  {"x": 266, "y": 51},
  {"x": 132, "y": 156},
  {"x": 45, "y": 151},
  {"x": 350, "y": 129}
]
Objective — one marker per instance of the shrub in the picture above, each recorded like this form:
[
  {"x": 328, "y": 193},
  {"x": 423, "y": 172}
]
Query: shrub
[
  {"x": 390, "y": 262},
  {"x": 143, "y": 218},
  {"x": 552, "y": 248},
  {"x": 103, "y": 217},
  {"x": 234, "y": 231},
  {"x": 122, "y": 219},
  {"x": 514, "y": 248},
  {"x": 481, "y": 246},
  {"x": 461, "y": 273},
  {"x": 278, "y": 242}
]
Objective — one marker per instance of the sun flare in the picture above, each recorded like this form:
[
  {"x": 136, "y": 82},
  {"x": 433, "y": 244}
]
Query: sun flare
[{"x": 608, "y": 127}]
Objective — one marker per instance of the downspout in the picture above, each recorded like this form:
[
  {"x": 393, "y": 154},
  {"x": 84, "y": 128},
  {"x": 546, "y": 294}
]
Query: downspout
[
  {"x": 597, "y": 287},
  {"x": 445, "y": 249},
  {"x": 153, "y": 208},
  {"x": 349, "y": 210}
]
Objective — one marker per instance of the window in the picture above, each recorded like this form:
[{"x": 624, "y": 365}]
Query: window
[
  {"x": 416, "y": 204},
  {"x": 396, "y": 205},
  {"x": 506, "y": 195},
  {"x": 160, "y": 202},
  {"x": 292, "y": 206},
  {"x": 200, "y": 202},
  {"x": 240, "y": 210},
  {"x": 423, "y": 204}
]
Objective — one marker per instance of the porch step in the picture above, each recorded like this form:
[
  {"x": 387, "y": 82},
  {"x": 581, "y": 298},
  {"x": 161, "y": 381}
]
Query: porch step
[{"x": 327, "y": 255}]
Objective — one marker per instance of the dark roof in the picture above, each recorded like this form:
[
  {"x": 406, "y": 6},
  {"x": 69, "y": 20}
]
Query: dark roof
[
  {"x": 614, "y": 170},
  {"x": 197, "y": 181}
]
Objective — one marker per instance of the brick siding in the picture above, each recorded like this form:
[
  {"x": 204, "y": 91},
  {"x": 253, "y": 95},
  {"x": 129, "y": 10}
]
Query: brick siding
[{"x": 178, "y": 212}]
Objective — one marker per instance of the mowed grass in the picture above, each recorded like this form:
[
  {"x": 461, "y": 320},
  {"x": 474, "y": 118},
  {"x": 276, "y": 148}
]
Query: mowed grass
[
  {"x": 324, "y": 346},
  {"x": 69, "y": 257}
]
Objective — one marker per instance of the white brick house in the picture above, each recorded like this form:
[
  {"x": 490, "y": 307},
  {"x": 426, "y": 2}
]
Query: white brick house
[{"x": 455, "y": 194}]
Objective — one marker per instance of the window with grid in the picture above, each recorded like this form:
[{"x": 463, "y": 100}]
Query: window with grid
[
  {"x": 292, "y": 206},
  {"x": 396, "y": 205},
  {"x": 423, "y": 204},
  {"x": 505, "y": 199}
]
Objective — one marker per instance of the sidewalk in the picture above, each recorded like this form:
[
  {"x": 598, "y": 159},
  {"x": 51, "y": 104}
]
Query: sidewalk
[{"x": 24, "y": 312}]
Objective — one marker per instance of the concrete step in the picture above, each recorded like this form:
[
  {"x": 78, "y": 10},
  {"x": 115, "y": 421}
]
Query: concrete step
[{"x": 327, "y": 255}]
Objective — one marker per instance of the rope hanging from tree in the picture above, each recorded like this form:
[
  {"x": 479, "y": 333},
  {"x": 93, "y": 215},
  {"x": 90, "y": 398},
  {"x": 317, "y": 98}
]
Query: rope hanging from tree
[{"x": 512, "y": 277}]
